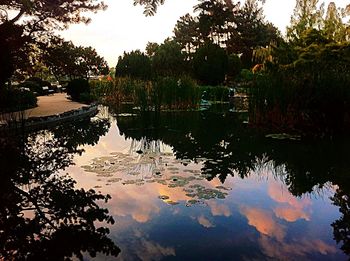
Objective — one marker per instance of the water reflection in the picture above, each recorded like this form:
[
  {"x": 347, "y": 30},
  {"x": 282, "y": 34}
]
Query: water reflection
[
  {"x": 223, "y": 147},
  {"x": 43, "y": 216},
  {"x": 183, "y": 186},
  {"x": 227, "y": 147}
]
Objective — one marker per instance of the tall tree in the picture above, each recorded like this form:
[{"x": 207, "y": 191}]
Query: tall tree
[
  {"x": 210, "y": 64},
  {"x": 65, "y": 59},
  {"x": 41, "y": 18},
  {"x": 168, "y": 59},
  {"x": 306, "y": 15},
  {"x": 134, "y": 64},
  {"x": 250, "y": 31},
  {"x": 213, "y": 17},
  {"x": 334, "y": 27},
  {"x": 186, "y": 33}
]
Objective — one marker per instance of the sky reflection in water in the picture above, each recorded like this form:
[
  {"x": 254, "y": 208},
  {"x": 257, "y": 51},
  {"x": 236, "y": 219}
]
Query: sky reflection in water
[{"x": 169, "y": 208}]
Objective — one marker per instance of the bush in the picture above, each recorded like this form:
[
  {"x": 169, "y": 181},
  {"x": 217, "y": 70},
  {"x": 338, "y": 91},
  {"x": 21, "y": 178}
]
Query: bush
[
  {"x": 86, "y": 98},
  {"x": 16, "y": 100},
  {"x": 247, "y": 75},
  {"x": 310, "y": 95},
  {"x": 215, "y": 93},
  {"x": 35, "y": 84},
  {"x": 234, "y": 66},
  {"x": 76, "y": 87},
  {"x": 210, "y": 64}
]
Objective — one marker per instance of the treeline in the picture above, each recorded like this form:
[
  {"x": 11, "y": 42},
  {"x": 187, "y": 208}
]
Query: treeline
[
  {"x": 211, "y": 47},
  {"x": 298, "y": 82},
  {"x": 304, "y": 85},
  {"x": 206, "y": 52}
]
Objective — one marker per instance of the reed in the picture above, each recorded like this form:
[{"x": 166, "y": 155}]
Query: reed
[{"x": 310, "y": 101}]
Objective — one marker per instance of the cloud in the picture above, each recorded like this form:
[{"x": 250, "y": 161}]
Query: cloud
[
  {"x": 290, "y": 214},
  {"x": 130, "y": 202},
  {"x": 294, "y": 250},
  {"x": 290, "y": 208},
  {"x": 264, "y": 222},
  {"x": 219, "y": 209},
  {"x": 140, "y": 247},
  {"x": 205, "y": 222}
]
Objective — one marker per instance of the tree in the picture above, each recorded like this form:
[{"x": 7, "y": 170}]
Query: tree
[
  {"x": 234, "y": 66},
  {"x": 334, "y": 28},
  {"x": 43, "y": 216},
  {"x": 186, "y": 33},
  {"x": 150, "y": 5},
  {"x": 213, "y": 20},
  {"x": 65, "y": 59},
  {"x": 250, "y": 31},
  {"x": 42, "y": 18},
  {"x": 151, "y": 49},
  {"x": 12, "y": 50},
  {"x": 210, "y": 64},
  {"x": 168, "y": 59},
  {"x": 306, "y": 15},
  {"x": 134, "y": 64}
]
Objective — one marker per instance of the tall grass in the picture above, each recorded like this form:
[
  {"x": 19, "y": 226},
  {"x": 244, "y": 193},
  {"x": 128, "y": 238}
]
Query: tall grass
[
  {"x": 311, "y": 101},
  {"x": 164, "y": 93}
]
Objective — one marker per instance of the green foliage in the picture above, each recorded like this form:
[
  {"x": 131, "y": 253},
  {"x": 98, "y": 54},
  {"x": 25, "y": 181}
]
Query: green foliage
[
  {"x": 311, "y": 94},
  {"x": 134, "y": 64},
  {"x": 238, "y": 29},
  {"x": 234, "y": 66},
  {"x": 172, "y": 93},
  {"x": 168, "y": 59},
  {"x": 250, "y": 32},
  {"x": 186, "y": 33},
  {"x": 306, "y": 16},
  {"x": 77, "y": 87},
  {"x": 65, "y": 59},
  {"x": 16, "y": 100},
  {"x": 31, "y": 26},
  {"x": 150, "y": 5},
  {"x": 215, "y": 93},
  {"x": 210, "y": 64},
  {"x": 35, "y": 84},
  {"x": 246, "y": 75},
  {"x": 310, "y": 15},
  {"x": 161, "y": 93}
]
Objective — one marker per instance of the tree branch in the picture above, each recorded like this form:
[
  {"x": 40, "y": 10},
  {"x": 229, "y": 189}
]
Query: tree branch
[{"x": 18, "y": 16}]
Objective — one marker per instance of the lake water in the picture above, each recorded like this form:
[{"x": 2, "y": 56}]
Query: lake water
[{"x": 203, "y": 186}]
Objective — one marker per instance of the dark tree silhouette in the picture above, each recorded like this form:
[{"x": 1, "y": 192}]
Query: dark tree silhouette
[
  {"x": 42, "y": 215},
  {"x": 18, "y": 35}
]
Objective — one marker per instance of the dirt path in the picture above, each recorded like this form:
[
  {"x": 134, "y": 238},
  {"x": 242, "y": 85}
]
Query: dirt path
[{"x": 53, "y": 104}]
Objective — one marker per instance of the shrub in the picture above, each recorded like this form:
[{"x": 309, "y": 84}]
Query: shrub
[
  {"x": 246, "y": 75},
  {"x": 35, "y": 84},
  {"x": 16, "y": 100},
  {"x": 234, "y": 66},
  {"x": 310, "y": 95},
  {"x": 210, "y": 64},
  {"x": 86, "y": 97},
  {"x": 76, "y": 87},
  {"x": 215, "y": 93}
]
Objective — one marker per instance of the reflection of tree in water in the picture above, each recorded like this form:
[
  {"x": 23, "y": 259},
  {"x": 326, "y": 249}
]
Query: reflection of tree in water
[
  {"x": 42, "y": 215},
  {"x": 214, "y": 139},
  {"x": 341, "y": 227},
  {"x": 225, "y": 147}
]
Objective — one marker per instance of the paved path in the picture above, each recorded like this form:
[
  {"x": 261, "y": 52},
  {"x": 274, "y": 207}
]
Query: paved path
[{"x": 53, "y": 104}]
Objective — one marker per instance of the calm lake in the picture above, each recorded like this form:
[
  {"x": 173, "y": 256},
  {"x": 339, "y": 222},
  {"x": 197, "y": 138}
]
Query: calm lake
[{"x": 203, "y": 186}]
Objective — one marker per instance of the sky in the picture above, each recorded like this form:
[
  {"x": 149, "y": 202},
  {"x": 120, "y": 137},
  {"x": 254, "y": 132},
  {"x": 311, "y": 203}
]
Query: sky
[{"x": 124, "y": 27}]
